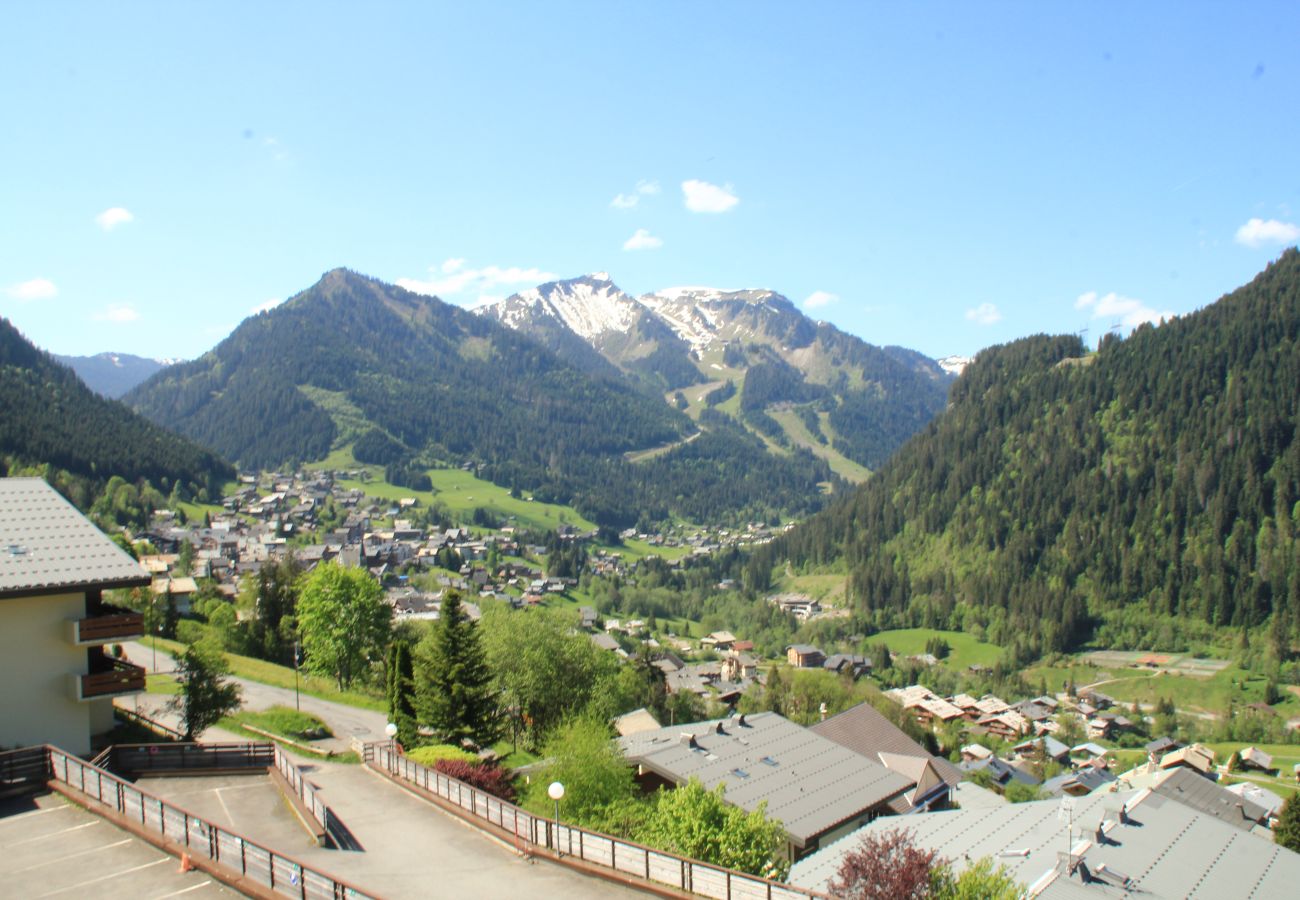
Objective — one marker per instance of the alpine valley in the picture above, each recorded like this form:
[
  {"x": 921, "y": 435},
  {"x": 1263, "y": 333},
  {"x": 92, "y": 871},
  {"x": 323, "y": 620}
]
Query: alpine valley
[{"x": 706, "y": 405}]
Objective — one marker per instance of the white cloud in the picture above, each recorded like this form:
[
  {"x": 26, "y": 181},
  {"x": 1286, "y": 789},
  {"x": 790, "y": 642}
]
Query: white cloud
[
  {"x": 266, "y": 305},
  {"x": 117, "y": 313},
  {"x": 1127, "y": 311},
  {"x": 984, "y": 314},
  {"x": 1267, "y": 231},
  {"x": 820, "y": 298},
  {"x": 113, "y": 217},
  {"x": 644, "y": 188},
  {"x": 456, "y": 279},
  {"x": 643, "y": 240},
  {"x": 35, "y": 289},
  {"x": 703, "y": 197}
]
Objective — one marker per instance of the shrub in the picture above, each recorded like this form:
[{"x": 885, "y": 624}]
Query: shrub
[
  {"x": 487, "y": 777},
  {"x": 436, "y": 753}
]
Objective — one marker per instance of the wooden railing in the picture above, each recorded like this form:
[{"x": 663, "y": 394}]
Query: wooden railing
[
  {"x": 624, "y": 857},
  {"x": 196, "y": 836},
  {"x": 118, "y": 627},
  {"x": 130, "y": 715},
  {"x": 120, "y": 678}
]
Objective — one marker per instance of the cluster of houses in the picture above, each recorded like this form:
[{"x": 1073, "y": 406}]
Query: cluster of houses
[{"x": 1012, "y": 721}]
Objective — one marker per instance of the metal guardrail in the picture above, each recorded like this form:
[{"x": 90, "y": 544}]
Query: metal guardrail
[
  {"x": 24, "y": 769},
  {"x": 282, "y": 874},
  {"x": 619, "y": 855},
  {"x": 130, "y": 715},
  {"x": 141, "y": 759},
  {"x": 305, "y": 791}
]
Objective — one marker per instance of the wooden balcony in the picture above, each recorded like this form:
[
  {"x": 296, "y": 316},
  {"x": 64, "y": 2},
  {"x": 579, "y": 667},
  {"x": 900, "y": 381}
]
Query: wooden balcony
[
  {"x": 116, "y": 626},
  {"x": 116, "y": 677}
]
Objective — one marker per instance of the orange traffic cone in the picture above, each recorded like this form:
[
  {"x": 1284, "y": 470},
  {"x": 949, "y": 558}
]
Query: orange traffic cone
[{"x": 186, "y": 865}]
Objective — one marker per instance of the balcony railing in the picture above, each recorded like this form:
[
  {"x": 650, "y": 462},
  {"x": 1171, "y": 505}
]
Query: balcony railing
[
  {"x": 118, "y": 678},
  {"x": 124, "y": 626}
]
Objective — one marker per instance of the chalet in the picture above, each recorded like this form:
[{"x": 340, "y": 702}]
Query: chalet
[
  {"x": 1257, "y": 759},
  {"x": 1112, "y": 845},
  {"x": 817, "y": 788},
  {"x": 54, "y": 625},
  {"x": 718, "y": 640},
  {"x": 1196, "y": 757},
  {"x": 863, "y": 729},
  {"x": 588, "y": 616},
  {"x": 1008, "y": 725},
  {"x": 804, "y": 656},
  {"x": 848, "y": 664}
]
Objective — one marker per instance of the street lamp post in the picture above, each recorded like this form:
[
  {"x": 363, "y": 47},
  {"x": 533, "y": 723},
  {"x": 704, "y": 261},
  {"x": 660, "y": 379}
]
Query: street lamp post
[
  {"x": 297, "y": 699},
  {"x": 391, "y": 730},
  {"x": 556, "y": 793}
]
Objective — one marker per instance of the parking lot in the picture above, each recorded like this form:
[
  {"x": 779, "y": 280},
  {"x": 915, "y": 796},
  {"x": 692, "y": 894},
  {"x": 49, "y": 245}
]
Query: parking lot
[{"x": 51, "y": 848}]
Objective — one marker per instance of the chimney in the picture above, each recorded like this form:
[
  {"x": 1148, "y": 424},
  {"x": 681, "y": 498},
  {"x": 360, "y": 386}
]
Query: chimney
[
  {"x": 688, "y": 740},
  {"x": 718, "y": 729},
  {"x": 741, "y": 721}
]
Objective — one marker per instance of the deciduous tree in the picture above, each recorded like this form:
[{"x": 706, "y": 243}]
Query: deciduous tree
[
  {"x": 343, "y": 620},
  {"x": 205, "y": 695},
  {"x": 697, "y": 822}
]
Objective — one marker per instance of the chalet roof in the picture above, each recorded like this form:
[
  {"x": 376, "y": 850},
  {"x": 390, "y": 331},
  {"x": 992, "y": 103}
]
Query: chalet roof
[
  {"x": 48, "y": 547},
  {"x": 1200, "y": 793},
  {"x": 865, "y": 730},
  {"x": 1167, "y": 848},
  {"x": 810, "y": 783}
]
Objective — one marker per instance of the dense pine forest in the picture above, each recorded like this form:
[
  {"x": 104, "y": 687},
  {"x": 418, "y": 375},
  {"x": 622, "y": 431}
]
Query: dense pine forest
[
  {"x": 52, "y": 424},
  {"x": 1142, "y": 496},
  {"x": 417, "y": 382}
]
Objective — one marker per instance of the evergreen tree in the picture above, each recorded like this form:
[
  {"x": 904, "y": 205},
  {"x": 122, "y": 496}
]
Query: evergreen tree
[
  {"x": 401, "y": 694},
  {"x": 455, "y": 695},
  {"x": 1287, "y": 830}
]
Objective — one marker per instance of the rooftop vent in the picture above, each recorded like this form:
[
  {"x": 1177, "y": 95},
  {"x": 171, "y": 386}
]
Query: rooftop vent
[
  {"x": 741, "y": 721},
  {"x": 718, "y": 729},
  {"x": 688, "y": 740}
]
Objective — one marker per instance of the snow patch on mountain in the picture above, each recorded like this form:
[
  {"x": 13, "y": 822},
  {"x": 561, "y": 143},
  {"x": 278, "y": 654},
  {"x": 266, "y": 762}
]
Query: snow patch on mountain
[
  {"x": 590, "y": 306},
  {"x": 696, "y": 314},
  {"x": 954, "y": 365}
]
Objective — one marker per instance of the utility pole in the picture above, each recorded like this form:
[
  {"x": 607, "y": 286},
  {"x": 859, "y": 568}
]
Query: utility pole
[{"x": 297, "y": 698}]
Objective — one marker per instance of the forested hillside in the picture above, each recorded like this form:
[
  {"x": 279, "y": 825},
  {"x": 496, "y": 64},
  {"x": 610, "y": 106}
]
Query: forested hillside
[
  {"x": 47, "y": 416},
  {"x": 411, "y": 382},
  {"x": 1141, "y": 495}
]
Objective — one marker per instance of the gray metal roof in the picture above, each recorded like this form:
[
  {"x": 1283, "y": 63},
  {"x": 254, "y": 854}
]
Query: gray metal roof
[
  {"x": 1197, "y": 791},
  {"x": 1166, "y": 848},
  {"x": 47, "y": 546},
  {"x": 810, "y": 783}
]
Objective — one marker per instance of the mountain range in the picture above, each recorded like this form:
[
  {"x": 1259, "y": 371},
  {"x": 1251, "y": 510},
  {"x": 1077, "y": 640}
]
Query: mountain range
[
  {"x": 797, "y": 382},
  {"x": 1144, "y": 495},
  {"x": 113, "y": 374},
  {"x": 408, "y": 382}
]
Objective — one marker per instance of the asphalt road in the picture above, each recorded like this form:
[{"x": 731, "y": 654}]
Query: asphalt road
[{"x": 345, "y": 721}]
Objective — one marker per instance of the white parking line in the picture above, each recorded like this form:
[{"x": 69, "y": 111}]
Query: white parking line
[
  {"x": 63, "y": 859},
  {"x": 32, "y": 812},
  {"x": 73, "y": 887},
  {"x": 44, "y": 837},
  {"x": 229, "y": 817}
]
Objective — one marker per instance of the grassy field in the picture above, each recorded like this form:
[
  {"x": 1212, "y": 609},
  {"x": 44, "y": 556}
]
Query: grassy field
[
  {"x": 966, "y": 651},
  {"x": 801, "y": 437},
  {"x": 1198, "y": 694},
  {"x": 261, "y": 671},
  {"x": 827, "y": 588}
]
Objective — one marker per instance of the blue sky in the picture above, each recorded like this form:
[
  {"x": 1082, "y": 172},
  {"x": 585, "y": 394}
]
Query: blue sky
[{"x": 940, "y": 176}]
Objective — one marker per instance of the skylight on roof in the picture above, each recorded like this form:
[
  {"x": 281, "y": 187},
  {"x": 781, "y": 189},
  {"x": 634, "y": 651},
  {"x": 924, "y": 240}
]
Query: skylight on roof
[
  {"x": 740, "y": 773},
  {"x": 769, "y": 761}
]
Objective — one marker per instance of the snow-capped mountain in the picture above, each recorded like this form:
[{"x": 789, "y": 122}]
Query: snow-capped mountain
[
  {"x": 618, "y": 332},
  {"x": 954, "y": 365},
  {"x": 800, "y": 382},
  {"x": 590, "y": 307}
]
